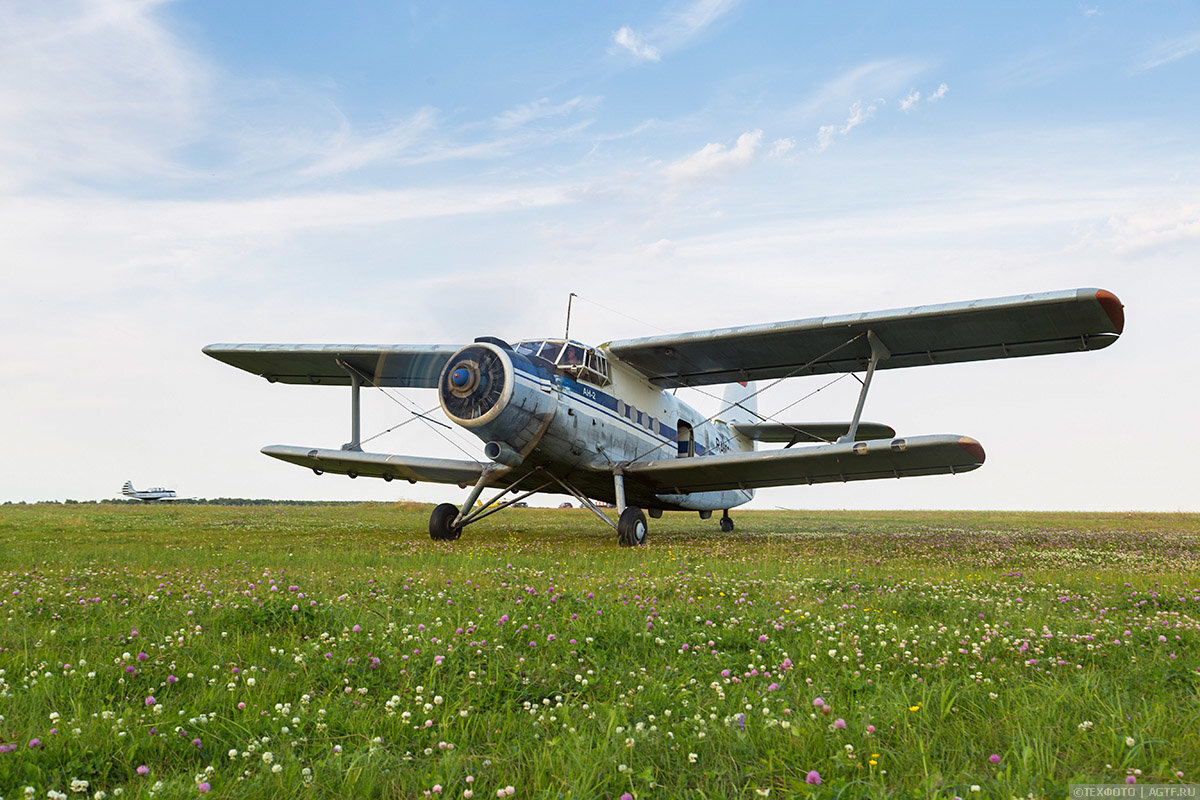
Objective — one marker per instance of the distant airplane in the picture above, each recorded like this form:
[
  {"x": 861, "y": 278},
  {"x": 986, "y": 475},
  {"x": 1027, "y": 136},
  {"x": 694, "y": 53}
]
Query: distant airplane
[
  {"x": 602, "y": 423},
  {"x": 147, "y": 495}
]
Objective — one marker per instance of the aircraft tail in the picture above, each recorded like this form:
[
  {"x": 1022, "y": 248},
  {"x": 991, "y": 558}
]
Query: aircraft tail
[
  {"x": 127, "y": 488},
  {"x": 739, "y": 404}
]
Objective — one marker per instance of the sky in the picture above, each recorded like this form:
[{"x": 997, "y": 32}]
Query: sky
[{"x": 174, "y": 174}]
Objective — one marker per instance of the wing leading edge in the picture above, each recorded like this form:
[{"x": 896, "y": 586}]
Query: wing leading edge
[
  {"x": 416, "y": 366},
  {"x": 1002, "y": 327},
  {"x": 857, "y": 461}
]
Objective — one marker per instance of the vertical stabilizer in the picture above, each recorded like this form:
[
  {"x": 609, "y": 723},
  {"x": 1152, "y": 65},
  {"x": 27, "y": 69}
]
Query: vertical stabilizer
[{"x": 740, "y": 404}]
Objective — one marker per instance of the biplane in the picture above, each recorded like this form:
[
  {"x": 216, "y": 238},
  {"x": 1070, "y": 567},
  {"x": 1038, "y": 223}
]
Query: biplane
[{"x": 603, "y": 425}]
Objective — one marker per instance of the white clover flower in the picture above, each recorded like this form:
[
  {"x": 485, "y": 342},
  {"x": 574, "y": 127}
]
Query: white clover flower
[{"x": 1129, "y": 741}]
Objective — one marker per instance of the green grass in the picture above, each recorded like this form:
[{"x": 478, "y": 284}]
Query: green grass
[{"x": 370, "y": 661}]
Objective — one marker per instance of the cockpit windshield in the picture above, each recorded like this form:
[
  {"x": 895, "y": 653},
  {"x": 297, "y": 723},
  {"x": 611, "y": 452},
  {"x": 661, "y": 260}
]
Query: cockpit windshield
[{"x": 578, "y": 360}]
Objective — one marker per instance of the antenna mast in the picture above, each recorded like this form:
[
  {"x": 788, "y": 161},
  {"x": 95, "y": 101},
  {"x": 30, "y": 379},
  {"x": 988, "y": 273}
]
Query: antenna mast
[{"x": 567, "y": 333}]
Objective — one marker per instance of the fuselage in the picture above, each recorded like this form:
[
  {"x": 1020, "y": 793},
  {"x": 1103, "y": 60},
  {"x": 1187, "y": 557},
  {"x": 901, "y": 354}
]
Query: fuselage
[{"x": 580, "y": 415}]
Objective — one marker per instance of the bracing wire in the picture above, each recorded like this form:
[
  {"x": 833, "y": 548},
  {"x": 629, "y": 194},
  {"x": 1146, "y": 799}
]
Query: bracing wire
[
  {"x": 405, "y": 403},
  {"x": 759, "y": 391}
]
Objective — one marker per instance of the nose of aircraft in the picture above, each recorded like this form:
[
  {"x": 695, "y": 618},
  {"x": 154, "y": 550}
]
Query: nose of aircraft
[{"x": 460, "y": 376}]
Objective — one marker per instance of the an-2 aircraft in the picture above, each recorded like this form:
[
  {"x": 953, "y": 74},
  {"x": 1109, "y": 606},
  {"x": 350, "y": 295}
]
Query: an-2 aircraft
[{"x": 602, "y": 424}]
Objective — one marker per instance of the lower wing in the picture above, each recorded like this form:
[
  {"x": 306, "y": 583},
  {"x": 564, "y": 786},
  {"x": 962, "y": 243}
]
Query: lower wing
[
  {"x": 854, "y": 461},
  {"x": 379, "y": 465}
]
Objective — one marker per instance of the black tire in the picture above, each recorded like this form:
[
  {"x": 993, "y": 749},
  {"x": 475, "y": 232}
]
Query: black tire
[
  {"x": 631, "y": 528},
  {"x": 441, "y": 523},
  {"x": 726, "y": 524}
]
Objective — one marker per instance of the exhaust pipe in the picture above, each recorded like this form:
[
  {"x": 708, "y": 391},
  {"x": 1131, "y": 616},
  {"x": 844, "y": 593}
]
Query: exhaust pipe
[{"x": 502, "y": 454}]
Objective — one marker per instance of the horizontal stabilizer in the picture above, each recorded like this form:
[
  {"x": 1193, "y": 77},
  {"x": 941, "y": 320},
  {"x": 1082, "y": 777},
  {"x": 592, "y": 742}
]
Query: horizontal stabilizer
[
  {"x": 830, "y": 463},
  {"x": 810, "y": 432},
  {"x": 378, "y": 465},
  {"x": 413, "y": 365},
  {"x": 977, "y": 330}
]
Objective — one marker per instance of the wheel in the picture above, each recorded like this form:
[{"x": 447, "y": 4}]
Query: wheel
[
  {"x": 441, "y": 523},
  {"x": 631, "y": 527},
  {"x": 726, "y": 524}
]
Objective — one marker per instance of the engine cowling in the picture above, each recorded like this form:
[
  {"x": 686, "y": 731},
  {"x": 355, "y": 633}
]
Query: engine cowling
[{"x": 494, "y": 393}]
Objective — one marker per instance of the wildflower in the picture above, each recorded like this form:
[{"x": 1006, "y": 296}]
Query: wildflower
[
  {"x": 994, "y": 758},
  {"x": 143, "y": 770},
  {"x": 1129, "y": 741},
  {"x": 626, "y": 796},
  {"x": 818, "y": 702},
  {"x": 1131, "y": 779},
  {"x": 839, "y": 723},
  {"x": 204, "y": 787},
  {"x": 813, "y": 777},
  {"x": 150, "y": 701},
  {"x": 35, "y": 742},
  {"x": 692, "y": 758}
]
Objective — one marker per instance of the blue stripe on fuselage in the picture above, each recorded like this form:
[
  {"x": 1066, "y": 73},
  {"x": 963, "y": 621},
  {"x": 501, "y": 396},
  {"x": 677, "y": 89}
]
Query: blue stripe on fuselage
[{"x": 601, "y": 401}]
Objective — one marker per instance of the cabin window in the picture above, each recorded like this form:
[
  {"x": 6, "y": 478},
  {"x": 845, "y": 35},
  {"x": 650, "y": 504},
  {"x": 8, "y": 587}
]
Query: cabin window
[{"x": 577, "y": 360}]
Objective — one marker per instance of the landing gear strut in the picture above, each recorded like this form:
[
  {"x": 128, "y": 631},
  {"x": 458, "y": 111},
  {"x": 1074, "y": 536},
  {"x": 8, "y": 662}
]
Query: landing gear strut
[{"x": 726, "y": 522}]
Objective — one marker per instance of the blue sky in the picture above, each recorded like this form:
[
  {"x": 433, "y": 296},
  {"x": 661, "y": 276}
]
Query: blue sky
[{"x": 178, "y": 173}]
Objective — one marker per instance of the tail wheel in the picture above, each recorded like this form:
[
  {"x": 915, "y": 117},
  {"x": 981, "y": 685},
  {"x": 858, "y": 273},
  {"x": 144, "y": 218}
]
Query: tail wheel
[
  {"x": 726, "y": 523},
  {"x": 441, "y": 523},
  {"x": 631, "y": 528}
]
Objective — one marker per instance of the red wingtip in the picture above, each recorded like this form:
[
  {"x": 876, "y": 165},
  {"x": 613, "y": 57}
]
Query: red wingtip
[
  {"x": 1113, "y": 307},
  {"x": 973, "y": 448}
]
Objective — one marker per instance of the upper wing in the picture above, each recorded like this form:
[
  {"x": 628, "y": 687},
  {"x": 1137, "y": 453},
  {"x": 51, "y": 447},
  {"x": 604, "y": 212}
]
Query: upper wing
[
  {"x": 898, "y": 458},
  {"x": 412, "y": 365},
  {"x": 379, "y": 465},
  {"x": 807, "y": 432},
  {"x": 1003, "y": 327}
]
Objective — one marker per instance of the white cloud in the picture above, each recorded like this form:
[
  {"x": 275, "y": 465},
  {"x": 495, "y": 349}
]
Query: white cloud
[
  {"x": 1145, "y": 230},
  {"x": 93, "y": 88},
  {"x": 873, "y": 78},
  {"x": 348, "y": 150},
  {"x": 858, "y": 115},
  {"x": 782, "y": 147},
  {"x": 939, "y": 94},
  {"x": 910, "y": 101},
  {"x": 1169, "y": 51},
  {"x": 542, "y": 109},
  {"x": 676, "y": 29},
  {"x": 715, "y": 159},
  {"x": 627, "y": 38}
]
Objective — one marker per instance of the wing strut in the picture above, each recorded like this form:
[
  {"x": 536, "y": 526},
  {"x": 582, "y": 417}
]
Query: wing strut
[
  {"x": 355, "y": 442},
  {"x": 879, "y": 352}
]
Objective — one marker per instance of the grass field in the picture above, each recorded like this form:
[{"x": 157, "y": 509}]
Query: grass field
[{"x": 335, "y": 651}]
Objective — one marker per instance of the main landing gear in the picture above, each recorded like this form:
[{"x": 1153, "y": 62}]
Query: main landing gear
[
  {"x": 631, "y": 527},
  {"x": 447, "y": 520},
  {"x": 442, "y": 523}
]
